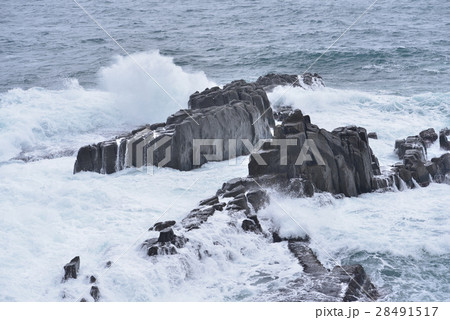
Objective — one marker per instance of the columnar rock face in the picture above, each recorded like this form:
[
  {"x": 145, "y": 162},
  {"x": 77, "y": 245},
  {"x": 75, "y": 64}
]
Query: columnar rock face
[
  {"x": 178, "y": 144},
  {"x": 338, "y": 162}
]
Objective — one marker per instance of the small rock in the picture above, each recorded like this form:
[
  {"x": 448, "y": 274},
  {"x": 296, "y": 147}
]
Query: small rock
[
  {"x": 162, "y": 225},
  {"x": 95, "y": 293},
  {"x": 372, "y": 135},
  {"x": 71, "y": 269},
  {"x": 258, "y": 199},
  {"x": 210, "y": 201},
  {"x": 251, "y": 224},
  {"x": 166, "y": 235},
  {"x": 92, "y": 279},
  {"x": 429, "y": 136},
  {"x": 276, "y": 237},
  {"x": 83, "y": 300},
  {"x": 443, "y": 140}
]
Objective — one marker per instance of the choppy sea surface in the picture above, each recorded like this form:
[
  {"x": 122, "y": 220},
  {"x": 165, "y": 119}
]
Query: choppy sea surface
[{"x": 64, "y": 83}]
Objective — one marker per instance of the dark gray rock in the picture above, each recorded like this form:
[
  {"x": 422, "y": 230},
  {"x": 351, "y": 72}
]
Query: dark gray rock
[
  {"x": 258, "y": 198},
  {"x": 166, "y": 244},
  {"x": 196, "y": 217},
  {"x": 330, "y": 283},
  {"x": 239, "y": 203},
  {"x": 71, "y": 268},
  {"x": 252, "y": 224},
  {"x": 238, "y": 90},
  {"x": 174, "y": 145},
  {"x": 92, "y": 279},
  {"x": 95, "y": 293},
  {"x": 443, "y": 139},
  {"x": 210, "y": 201},
  {"x": 338, "y": 162},
  {"x": 159, "y": 226},
  {"x": 428, "y": 136},
  {"x": 272, "y": 80},
  {"x": 166, "y": 235},
  {"x": 372, "y": 135},
  {"x": 410, "y": 143},
  {"x": 307, "y": 258}
]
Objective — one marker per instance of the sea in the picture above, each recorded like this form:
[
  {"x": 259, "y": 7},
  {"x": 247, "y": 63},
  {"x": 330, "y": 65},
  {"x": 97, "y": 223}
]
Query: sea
[{"x": 78, "y": 72}]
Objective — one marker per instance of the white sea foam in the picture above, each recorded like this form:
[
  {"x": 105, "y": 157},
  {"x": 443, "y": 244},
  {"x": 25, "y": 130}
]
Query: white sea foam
[{"x": 38, "y": 122}]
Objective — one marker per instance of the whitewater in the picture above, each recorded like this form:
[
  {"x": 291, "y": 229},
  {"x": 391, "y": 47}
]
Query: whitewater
[{"x": 49, "y": 215}]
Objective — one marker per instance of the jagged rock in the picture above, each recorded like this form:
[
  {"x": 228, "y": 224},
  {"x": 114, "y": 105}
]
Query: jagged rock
[
  {"x": 159, "y": 226},
  {"x": 428, "y": 136},
  {"x": 359, "y": 283},
  {"x": 337, "y": 162},
  {"x": 258, "y": 199},
  {"x": 272, "y": 80},
  {"x": 372, "y": 135},
  {"x": 442, "y": 165},
  {"x": 282, "y": 112},
  {"x": 252, "y": 224},
  {"x": 71, "y": 268},
  {"x": 443, "y": 139},
  {"x": 95, "y": 293},
  {"x": 166, "y": 244},
  {"x": 238, "y": 203},
  {"x": 196, "y": 217},
  {"x": 166, "y": 235},
  {"x": 210, "y": 201},
  {"x": 234, "y": 192},
  {"x": 276, "y": 237},
  {"x": 410, "y": 143},
  {"x": 238, "y": 90}
]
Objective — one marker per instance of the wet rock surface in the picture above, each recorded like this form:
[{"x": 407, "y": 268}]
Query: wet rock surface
[
  {"x": 71, "y": 269},
  {"x": 338, "y": 162}
]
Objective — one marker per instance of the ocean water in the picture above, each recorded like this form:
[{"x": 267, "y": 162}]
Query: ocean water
[{"x": 65, "y": 84}]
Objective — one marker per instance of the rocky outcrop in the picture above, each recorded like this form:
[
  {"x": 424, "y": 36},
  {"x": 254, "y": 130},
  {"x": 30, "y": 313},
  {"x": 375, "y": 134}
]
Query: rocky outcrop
[
  {"x": 307, "y": 80},
  {"x": 182, "y": 143},
  {"x": 221, "y": 124},
  {"x": 338, "y": 162},
  {"x": 415, "y": 168}
]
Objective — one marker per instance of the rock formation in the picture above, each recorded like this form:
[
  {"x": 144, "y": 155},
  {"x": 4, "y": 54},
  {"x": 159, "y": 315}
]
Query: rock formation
[
  {"x": 338, "y": 162},
  {"x": 228, "y": 120}
]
